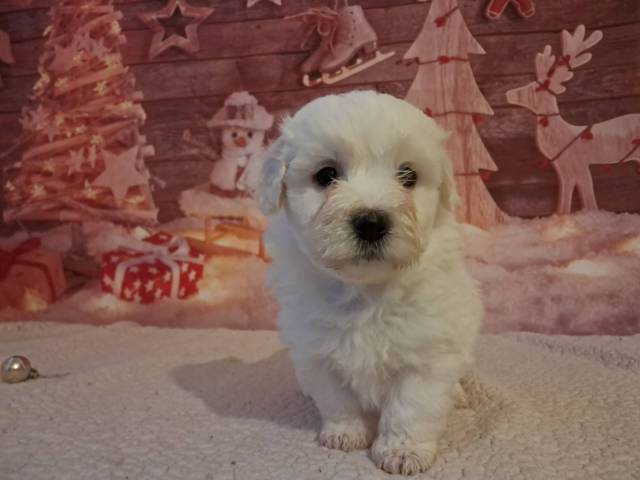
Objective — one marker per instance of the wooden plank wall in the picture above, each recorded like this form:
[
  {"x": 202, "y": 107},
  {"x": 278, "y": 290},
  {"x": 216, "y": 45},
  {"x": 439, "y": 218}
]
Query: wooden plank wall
[{"x": 258, "y": 50}]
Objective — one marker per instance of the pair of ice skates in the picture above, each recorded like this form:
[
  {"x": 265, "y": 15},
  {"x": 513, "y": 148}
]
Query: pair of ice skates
[{"x": 348, "y": 45}]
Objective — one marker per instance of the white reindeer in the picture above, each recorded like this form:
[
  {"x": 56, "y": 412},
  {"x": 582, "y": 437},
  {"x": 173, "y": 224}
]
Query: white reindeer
[{"x": 572, "y": 148}]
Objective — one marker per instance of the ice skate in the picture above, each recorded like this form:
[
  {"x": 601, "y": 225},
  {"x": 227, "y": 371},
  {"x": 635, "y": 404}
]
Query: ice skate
[
  {"x": 325, "y": 20},
  {"x": 349, "y": 45}
]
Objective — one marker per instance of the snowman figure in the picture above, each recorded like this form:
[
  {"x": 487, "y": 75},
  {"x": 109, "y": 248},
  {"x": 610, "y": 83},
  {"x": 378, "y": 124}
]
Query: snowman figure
[
  {"x": 243, "y": 124},
  {"x": 240, "y": 125}
]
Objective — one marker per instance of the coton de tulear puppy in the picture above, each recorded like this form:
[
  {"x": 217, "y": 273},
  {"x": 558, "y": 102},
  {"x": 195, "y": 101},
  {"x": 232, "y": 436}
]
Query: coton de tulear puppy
[{"x": 376, "y": 305}]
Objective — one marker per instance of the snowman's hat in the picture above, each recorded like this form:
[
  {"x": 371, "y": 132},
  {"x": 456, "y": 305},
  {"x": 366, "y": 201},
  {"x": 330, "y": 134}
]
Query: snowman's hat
[{"x": 241, "y": 109}]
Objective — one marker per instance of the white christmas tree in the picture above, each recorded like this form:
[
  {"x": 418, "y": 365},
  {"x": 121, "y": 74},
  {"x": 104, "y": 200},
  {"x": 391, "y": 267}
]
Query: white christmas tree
[
  {"x": 84, "y": 155},
  {"x": 445, "y": 89}
]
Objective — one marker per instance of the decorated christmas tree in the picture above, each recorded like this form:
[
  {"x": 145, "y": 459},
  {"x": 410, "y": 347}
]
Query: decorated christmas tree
[
  {"x": 445, "y": 89},
  {"x": 83, "y": 154}
]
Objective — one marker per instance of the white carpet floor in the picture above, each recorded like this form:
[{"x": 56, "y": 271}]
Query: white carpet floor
[{"x": 131, "y": 402}]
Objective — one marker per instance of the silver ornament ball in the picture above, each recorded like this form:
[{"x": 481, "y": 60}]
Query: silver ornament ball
[{"x": 17, "y": 369}]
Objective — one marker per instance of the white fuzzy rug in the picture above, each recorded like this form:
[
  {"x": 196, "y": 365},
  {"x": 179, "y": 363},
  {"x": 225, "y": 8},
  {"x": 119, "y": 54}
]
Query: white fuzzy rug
[{"x": 130, "y": 402}]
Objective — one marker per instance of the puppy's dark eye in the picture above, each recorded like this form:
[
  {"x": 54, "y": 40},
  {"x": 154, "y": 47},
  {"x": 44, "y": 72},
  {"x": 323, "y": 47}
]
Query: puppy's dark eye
[
  {"x": 407, "y": 176},
  {"x": 325, "y": 176},
  {"x": 250, "y": 134},
  {"x": 234, "y": 134}
]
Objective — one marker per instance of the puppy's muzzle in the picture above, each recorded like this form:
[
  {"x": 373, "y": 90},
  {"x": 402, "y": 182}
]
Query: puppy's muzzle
[{"x": 370, "y": 226}]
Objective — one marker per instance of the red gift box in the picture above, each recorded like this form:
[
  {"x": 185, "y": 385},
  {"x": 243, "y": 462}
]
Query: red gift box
[
  {"x": 31, "y": 277},
  {"x": 169, "y": 268}
]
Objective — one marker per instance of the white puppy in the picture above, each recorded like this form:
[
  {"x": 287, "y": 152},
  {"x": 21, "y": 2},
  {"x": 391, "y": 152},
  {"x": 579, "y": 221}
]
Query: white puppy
[{"x": 376, "y": 305}]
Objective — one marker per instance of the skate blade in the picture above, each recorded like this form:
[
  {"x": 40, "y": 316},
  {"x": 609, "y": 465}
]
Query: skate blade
[
  {"x": 307, "y": 81},
  {"x": 346, "y": 72}
]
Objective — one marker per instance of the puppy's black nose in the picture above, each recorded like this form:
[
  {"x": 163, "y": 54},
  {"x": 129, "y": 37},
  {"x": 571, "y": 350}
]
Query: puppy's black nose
[{"x": 370, "y": 225}]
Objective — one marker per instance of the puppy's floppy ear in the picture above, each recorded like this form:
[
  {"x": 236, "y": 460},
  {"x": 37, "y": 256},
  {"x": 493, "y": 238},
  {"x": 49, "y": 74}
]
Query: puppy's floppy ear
[{"x": 271, "y": 185}]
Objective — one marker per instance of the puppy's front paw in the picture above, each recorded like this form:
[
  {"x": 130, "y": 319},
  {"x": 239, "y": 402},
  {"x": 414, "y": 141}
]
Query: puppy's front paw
[
  {"x": 346, "y": 436},
  {"x": 403, "y": 459}
]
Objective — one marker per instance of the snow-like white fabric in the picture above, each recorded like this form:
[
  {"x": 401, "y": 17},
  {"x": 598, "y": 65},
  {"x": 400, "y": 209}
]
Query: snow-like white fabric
[
  {"x": 125, "y": 401},
  {"x": 232, "y": 293},
  {"x": 573, "y": 274}
]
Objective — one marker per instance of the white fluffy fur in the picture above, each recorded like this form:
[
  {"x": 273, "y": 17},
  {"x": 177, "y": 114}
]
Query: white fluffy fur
[{"x": 379, "y": 345}]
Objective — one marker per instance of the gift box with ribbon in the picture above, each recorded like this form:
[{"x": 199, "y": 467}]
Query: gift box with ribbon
[
  {"x": 31, "y": 277},
  {"x": 166, "y": 267}
]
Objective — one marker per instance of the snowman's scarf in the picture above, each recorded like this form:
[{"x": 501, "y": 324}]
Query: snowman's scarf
[{"x": 234, "y": 193}]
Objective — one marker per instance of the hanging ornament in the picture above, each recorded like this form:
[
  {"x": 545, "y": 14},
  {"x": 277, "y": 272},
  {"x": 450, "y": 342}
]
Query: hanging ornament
[
  {"x": 525, "y": 8},
  {"x": 189, "y": 43},
  {"x": 6, "y": 55},
  {"x": 348, "y": 44},
  {"x": 89, "y": 192},
  {"x": 120, "y": 173},
  {"x": 101, "y": 88},
  {"x": 251, "y": 3},
  {"x": 17, "y": 368},
  {"x": 38, "y": 190},
  {"x": 75, "y": 161},
  {"x": 63, "y": 58},
  {"x": 48, "y": 166}
]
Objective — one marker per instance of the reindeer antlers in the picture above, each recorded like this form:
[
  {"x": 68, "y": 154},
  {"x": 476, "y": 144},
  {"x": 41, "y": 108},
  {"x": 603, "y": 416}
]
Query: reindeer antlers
[
  {"x": 552, "y": 74},
  {"x": 574, "y": 47}
]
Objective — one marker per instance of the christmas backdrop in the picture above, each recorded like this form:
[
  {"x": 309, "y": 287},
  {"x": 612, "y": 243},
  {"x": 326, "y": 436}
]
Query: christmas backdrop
[
  {"x": 191, "y": 92},
  {"x": 82, "y": 147},
  {"x": 258, "y": 50}
]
